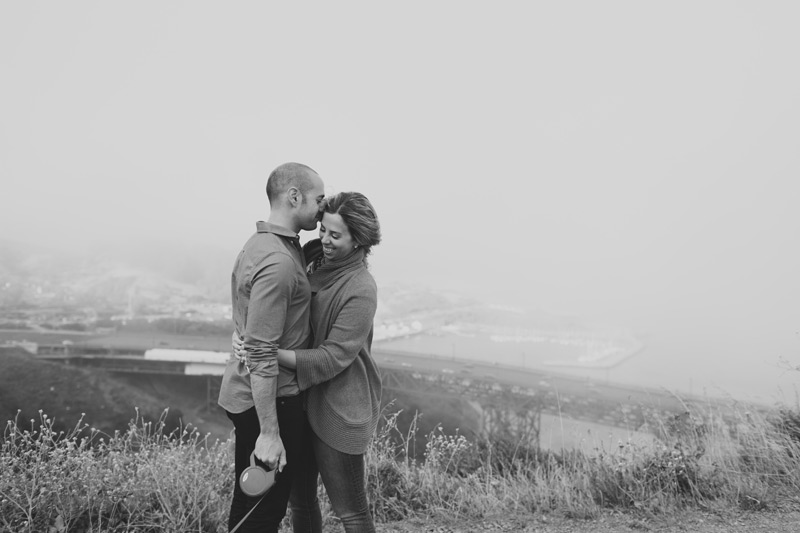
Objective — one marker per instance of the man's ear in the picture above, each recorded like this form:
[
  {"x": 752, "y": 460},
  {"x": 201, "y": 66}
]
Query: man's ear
[{"x": 294, "y": 196}]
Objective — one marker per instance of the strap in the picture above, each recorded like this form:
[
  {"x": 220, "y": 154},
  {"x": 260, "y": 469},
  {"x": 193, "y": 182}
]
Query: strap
[{"x": 248, "y": 513}]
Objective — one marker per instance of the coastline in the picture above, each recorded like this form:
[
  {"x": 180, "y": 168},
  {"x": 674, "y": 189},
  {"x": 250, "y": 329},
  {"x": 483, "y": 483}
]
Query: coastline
[{"x": 604, "y": 361}]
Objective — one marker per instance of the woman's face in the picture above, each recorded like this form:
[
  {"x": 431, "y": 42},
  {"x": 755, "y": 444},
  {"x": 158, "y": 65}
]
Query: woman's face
[{"x": 336, "y": 239}]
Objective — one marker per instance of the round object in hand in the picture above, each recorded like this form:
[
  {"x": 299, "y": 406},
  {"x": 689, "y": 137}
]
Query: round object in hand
[{"x": 255, "y": 481}]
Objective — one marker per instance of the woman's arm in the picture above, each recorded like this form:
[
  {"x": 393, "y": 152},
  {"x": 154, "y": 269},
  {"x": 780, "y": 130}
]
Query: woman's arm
[{"x": 348, "y": 335}]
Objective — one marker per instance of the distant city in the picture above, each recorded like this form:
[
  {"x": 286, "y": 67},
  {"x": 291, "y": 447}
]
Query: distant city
[{"x": 100, "y": 298}]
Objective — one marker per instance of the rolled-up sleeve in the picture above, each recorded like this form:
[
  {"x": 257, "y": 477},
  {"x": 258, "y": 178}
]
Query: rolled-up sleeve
[{"x": 270, "y": 292}]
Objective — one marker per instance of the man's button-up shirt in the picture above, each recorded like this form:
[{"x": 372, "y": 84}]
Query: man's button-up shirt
[{"x": 271, "y": 298}]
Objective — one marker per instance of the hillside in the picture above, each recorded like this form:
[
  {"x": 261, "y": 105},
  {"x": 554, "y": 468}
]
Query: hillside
[
  {"x": 65, "y": 394},
  {"x": 719, "y": 477}
]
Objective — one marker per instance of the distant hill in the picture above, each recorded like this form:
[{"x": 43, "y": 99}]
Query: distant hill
[{"x": 109, "y": 274}]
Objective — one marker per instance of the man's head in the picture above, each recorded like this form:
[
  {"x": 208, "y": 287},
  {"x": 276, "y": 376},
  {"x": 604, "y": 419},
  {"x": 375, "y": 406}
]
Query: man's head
[{"x": 296, "y": 194}]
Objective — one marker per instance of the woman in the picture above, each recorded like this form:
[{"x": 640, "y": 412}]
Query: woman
[{"x": 341, "y": 380}]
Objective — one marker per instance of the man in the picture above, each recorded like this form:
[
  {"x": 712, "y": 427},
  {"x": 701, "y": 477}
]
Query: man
[{"x": 271, "y": 296}]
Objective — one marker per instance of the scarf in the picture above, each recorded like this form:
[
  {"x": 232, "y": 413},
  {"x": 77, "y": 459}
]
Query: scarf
[{"x": 329, "y": 271}]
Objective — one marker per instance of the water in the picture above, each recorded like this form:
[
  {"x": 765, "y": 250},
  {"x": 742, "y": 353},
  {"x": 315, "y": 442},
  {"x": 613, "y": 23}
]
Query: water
[{"x": 686, "y": 360}]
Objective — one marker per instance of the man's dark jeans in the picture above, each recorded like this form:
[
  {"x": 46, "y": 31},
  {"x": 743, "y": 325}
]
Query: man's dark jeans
[
  {"x": 292, "y": 421},
  {"x": 343, "y": 477}
]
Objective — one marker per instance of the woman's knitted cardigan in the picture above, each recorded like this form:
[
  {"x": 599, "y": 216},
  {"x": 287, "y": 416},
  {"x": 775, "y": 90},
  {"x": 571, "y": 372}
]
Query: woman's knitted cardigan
[{"x": 341, "y": 380}]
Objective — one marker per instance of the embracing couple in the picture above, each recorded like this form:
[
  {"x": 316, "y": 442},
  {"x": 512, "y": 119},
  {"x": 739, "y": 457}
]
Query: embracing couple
[{"x": 301, "y": 387}]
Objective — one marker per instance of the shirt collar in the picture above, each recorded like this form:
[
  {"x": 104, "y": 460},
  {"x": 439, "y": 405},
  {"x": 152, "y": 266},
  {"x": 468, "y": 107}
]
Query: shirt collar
[{"x": 269, "y": 227}]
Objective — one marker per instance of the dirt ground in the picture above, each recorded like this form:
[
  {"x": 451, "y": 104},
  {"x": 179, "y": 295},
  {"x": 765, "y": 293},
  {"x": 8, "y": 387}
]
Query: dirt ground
[{"x": 784, "y": 521}]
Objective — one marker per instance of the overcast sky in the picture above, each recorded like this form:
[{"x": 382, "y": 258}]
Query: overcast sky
[{"x": 628, "y": 160}]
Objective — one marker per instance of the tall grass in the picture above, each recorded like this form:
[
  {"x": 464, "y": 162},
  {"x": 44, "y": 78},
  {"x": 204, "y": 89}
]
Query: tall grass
[
  {"x": 147, "y": 480},
  {"x": 704, "y": 457},
  {"x": 140, "y": 480}
]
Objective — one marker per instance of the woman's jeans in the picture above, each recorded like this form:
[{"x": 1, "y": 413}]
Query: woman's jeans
[
  {"x": 343, "y": 477},
  {"x": 268, "y": 515}
]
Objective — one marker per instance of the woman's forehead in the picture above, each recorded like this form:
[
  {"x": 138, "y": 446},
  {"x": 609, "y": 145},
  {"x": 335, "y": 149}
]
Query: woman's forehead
[{"x": 334, "y": 222}]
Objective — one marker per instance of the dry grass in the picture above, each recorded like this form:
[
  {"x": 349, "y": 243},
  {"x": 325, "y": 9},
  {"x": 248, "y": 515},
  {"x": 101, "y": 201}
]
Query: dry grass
[
  {"x": 83, "y": 480},
  {"x": 144, "y": 479},
  {"x": 704, "y": 459}
]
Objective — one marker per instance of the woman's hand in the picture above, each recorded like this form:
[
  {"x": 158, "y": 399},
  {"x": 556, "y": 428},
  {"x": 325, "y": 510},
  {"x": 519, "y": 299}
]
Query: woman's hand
[{"x": 238, "y": 346}]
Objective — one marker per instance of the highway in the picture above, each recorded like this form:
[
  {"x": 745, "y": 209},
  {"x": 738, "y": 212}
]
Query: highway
[{"x": 555, "y": 393}]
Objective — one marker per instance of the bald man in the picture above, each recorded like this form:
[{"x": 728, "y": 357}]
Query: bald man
[{"x": 271, "y": 297}]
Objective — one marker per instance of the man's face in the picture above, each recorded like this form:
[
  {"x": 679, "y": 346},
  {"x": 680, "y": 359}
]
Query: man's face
[{"x": 313, "y": 204}]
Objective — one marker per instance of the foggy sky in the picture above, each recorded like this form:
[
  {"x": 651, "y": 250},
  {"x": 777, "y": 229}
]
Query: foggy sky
[{"x": 631, "y": 162}]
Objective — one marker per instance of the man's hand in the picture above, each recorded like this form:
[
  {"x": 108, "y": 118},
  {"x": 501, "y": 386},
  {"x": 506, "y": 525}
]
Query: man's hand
[
  {"x": 269, "y": 450},
  {"x": 237, "y": 343}
]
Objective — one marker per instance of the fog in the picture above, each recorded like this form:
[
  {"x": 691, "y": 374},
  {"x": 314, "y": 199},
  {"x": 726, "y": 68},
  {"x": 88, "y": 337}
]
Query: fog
[{"x": 631, "y": 163}]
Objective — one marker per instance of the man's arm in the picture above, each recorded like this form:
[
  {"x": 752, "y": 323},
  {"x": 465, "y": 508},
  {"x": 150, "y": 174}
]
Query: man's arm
[
  {"x": 269, "y": 446},
  {"x": 266, "y": 315}
]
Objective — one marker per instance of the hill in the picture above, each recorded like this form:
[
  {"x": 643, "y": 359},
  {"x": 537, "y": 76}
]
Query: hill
[{"x": 29, "y": 387}]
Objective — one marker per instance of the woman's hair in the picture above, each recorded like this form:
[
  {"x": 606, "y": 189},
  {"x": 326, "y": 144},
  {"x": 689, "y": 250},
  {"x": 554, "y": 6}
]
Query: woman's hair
[{"x": 359, "y": 216}]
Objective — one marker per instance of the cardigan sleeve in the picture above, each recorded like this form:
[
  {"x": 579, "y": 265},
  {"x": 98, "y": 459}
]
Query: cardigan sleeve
[{"x": 349, "y": 333}]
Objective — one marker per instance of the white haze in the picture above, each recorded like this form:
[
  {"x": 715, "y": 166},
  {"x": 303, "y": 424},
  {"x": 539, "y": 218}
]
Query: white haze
[{"x": 633, "y": 163}]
